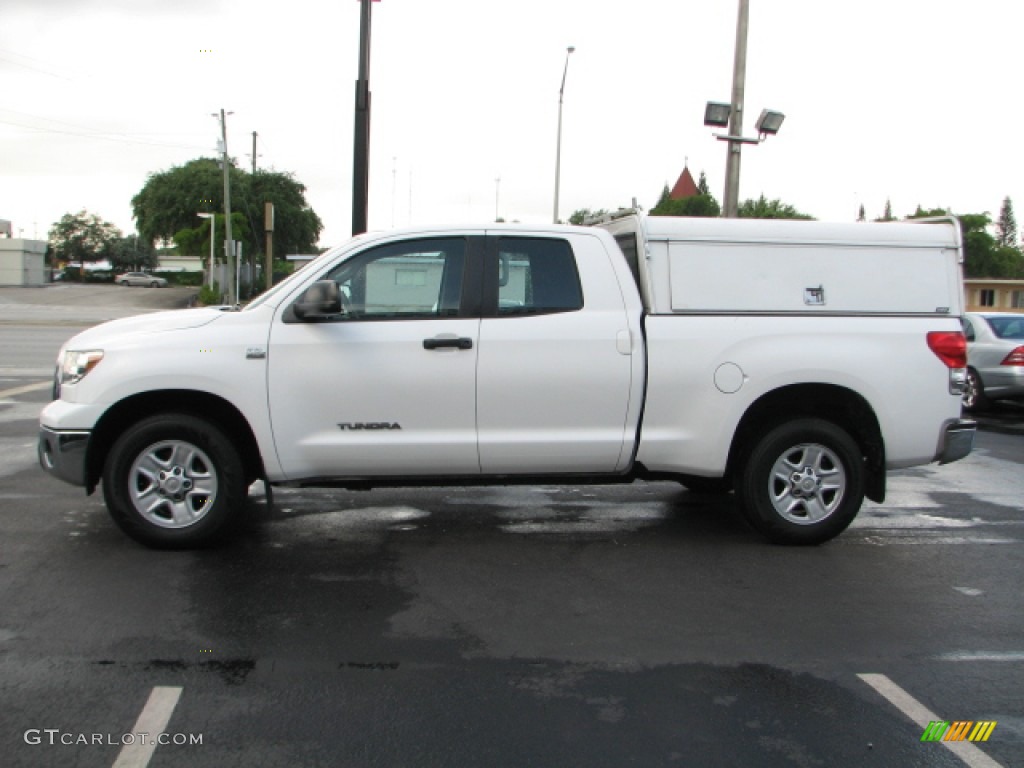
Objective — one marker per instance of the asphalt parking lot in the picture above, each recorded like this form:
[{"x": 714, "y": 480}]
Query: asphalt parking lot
[{"x": 543, "y": 626}]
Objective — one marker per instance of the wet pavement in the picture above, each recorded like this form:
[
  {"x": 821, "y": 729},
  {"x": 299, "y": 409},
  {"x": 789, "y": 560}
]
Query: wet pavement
[{"x": 543, "y": 626}]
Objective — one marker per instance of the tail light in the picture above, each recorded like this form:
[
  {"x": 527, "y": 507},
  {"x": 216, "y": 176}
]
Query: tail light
[
  {"x": 951, "y": 348},
  {"x": 1016, "y": 357}
]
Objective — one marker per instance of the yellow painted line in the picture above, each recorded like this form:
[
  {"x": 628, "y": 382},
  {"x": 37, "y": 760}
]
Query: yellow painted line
[{"x": 26, "y": 388}]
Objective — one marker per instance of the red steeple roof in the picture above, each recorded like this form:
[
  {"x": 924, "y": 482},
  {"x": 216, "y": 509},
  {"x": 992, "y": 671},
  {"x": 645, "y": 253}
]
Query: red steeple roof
[{"x": 685, "y": 186}]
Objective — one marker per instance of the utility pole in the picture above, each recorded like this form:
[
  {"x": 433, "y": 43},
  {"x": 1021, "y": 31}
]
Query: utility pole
[
  {"x": 268, "y": 226},
  {"x": 254, "y": 153},
  {"x": 730, "y": 206},
  {"x": 361, "y": 142},
  {"x": 229, "y": 244}
]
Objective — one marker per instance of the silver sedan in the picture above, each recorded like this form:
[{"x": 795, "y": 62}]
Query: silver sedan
[
  {"x": 995, "y": 358},
  {"x": 141, "y": 278}
]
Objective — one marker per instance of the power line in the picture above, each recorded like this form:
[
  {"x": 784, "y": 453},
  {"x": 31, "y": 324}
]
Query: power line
[{"x": 83, "y": 133}]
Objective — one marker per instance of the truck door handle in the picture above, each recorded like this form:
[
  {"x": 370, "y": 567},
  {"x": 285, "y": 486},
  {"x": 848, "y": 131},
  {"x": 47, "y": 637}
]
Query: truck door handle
[{"x": 459, "y": 343}]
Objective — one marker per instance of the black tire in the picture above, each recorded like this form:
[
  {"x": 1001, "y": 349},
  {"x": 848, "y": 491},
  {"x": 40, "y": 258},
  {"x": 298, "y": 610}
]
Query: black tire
[
  {"x": 974, "y": 398},
  {"x": 802, "y": 483},
  {"x": 174, "y": 481},
  {"x": 154, "y": 284}
]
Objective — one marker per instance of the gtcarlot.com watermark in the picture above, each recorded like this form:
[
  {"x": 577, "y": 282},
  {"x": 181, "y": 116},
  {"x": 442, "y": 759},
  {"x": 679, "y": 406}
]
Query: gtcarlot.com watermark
[{"x": 55, "y": 736}]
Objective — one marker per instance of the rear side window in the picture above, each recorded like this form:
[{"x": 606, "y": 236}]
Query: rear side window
[
  {"x": 1007, "y": 327},
  {"x": 537, "y": 276}
]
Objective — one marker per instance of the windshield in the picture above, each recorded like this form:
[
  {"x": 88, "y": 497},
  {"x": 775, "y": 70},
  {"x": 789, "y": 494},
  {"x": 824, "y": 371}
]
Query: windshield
[{"x": 1007, "y": 327}]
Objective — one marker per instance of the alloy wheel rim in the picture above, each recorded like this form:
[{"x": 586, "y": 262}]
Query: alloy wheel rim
[
  {"x": 807, "y": 483},
  {"x": 172, "y": 484}
]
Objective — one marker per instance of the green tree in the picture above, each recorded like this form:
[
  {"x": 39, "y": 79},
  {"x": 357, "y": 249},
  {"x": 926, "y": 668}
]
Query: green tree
[
  {"x": 696, "y": 205},
  {"x": 169, "y": 201},
  {"x": 196, "y": 241},
  {"x": 131, "y": 253},
  {"x": 581, "y": 215},
  {"x": 296, "y": 226},
  {"x": 702, "y": 185},
  {"x": 763, "y": 208},
  {"x": 82, "y": 236},
  {"x": 887, "y": 215},
  {"x": 1006, "y": 226},
  {"x": 983, "y": 255}
]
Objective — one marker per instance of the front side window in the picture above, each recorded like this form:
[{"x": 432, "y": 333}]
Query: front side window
[
  {"x": 413, "y": 279},
  {"x": 537, "y": 276}
]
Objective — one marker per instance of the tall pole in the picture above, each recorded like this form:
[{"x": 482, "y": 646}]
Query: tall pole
[
  {"x": 361, "y": 143},
  {"x": 558, "y": 144},
  {"x": 268, "y": 226},
  {"x": 213, "y": 236},
  {"x": 497, "y": 189},
  {"x": 730, "y": 208},
  {"x": 254, "y": 153},
  {"x": 229, "y": 244}
]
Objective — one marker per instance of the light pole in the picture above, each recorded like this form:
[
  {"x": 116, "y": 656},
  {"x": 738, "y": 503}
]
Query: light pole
[
  {"x": 721, "y": 115},
  {"x": 213, "y": 234},
  {"x": 739, "y": 81},
  {"x": 229, "y": 244},
  {"x": 361, "y": 133},
  {"x": 558, "y": 144}
]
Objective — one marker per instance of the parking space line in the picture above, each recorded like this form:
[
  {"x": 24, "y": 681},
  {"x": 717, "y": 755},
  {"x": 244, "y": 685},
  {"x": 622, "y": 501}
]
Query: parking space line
[
  {"x": 152, "y": 720},
  {"x": 1010, "y": 656},
  {"x": 922, "y": 716},
  {"x": 26, "y": 388}
]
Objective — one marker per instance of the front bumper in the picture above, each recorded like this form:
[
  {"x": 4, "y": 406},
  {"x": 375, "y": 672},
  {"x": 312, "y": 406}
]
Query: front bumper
[
  {"x": 957, "y": 440},
  {"x": 62, "y": 454}
]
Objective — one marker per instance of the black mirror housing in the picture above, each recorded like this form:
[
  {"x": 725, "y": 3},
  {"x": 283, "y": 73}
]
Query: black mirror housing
[{"x": 321, "y": 299}]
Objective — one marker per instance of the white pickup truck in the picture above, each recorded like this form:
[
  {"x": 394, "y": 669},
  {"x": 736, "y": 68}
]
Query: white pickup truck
[{"x": 791, "y": 362}]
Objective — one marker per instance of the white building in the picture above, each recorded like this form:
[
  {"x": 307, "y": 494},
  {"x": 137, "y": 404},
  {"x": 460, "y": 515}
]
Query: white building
[{"x": 22, "y": 262}]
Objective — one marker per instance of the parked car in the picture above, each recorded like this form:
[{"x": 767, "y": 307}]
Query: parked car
[
  {"x": 141, "y": 278},
  {"x": 995, "y": 358}
]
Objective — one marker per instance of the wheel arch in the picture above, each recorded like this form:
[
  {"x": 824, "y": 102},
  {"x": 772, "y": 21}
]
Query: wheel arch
[
  {"x": 202, "y": 405},
  {"x": 839, "y": 405}
]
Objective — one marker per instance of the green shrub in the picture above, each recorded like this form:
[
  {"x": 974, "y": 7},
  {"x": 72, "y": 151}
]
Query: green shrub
[
  {"x": 182, "y": 278},
  {"x": 209, "y": 296}
]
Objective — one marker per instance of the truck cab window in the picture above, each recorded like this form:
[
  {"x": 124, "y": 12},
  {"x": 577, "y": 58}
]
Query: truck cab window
[
  {"x": 411, "y": 279},
  {"x": 537, "y": 276}
]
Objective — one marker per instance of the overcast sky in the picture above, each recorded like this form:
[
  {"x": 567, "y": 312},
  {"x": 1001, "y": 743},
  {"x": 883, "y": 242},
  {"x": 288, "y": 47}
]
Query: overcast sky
[{"x": 883, "y": 99}]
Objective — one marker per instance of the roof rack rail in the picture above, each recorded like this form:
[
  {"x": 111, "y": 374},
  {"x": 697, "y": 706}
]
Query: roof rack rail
[{"x": 604, "y": 218}]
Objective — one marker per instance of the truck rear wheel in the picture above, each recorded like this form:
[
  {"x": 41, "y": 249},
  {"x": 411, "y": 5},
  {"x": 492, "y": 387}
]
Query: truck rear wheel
[
  {"x": 802, "y": 483},
  {"x": 173, "y": 481}
]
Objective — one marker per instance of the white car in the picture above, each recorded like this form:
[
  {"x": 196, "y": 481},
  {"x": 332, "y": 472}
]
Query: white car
[
  {"x": 995, "y": 358},
  {"x": 141, "y": 278}
]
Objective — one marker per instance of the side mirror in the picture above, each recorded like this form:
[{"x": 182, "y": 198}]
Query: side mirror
[{"x": 321, "y": 299}]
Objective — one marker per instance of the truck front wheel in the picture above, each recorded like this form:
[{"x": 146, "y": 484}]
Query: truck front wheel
[
  {"x": 802, "y": 483},
  {"x": 174, "y": 480}
]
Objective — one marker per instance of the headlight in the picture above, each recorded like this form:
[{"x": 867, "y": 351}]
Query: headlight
[{"x": 77, "y": 363}]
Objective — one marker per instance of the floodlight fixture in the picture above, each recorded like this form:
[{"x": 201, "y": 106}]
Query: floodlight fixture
[
  {"x": 769, "y": 122},
  {"x": 716, "y": 114}
]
